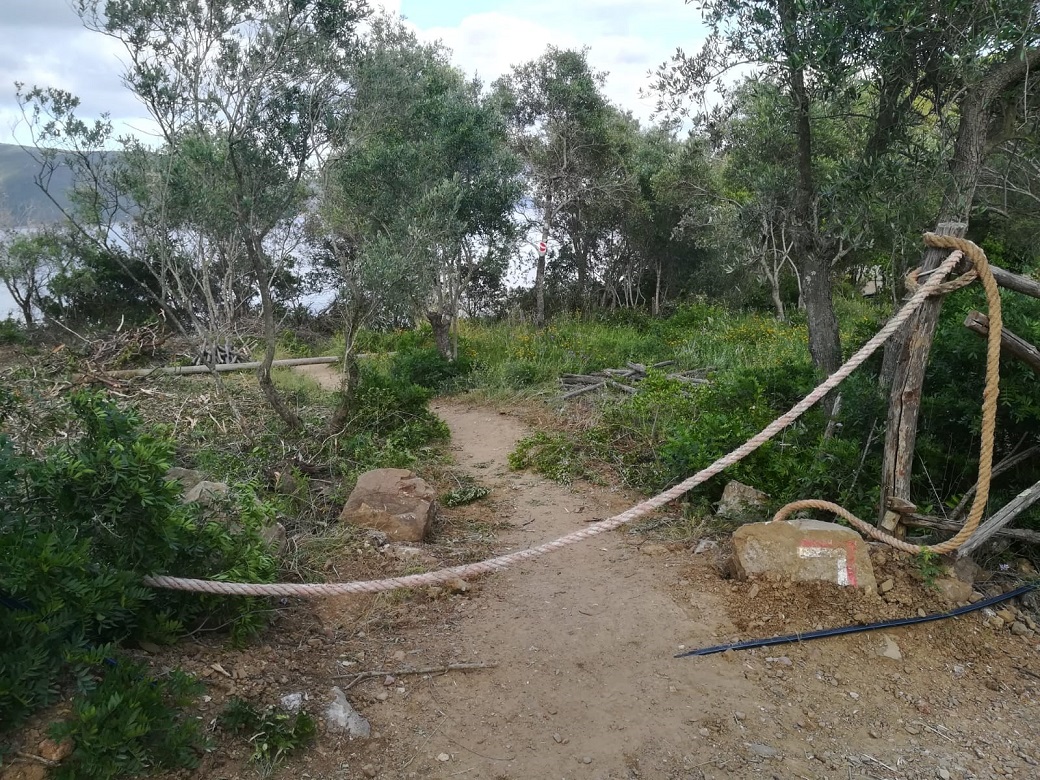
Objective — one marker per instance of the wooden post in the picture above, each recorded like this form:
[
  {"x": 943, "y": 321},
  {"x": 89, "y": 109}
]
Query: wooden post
[{"x": 911, "y": 346}]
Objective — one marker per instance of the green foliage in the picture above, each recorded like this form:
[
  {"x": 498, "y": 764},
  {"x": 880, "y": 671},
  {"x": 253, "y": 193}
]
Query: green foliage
[
  {"x": 273, "y": 733},
  {"x": 467, "y": 492},
  {"x": 390, "y": 425},
  {"x": 130, "y": 724},
  {"x": 80, "y": 526},
  {"x": 551, "y": 454},
  {"x": 428, "y": 369},
  {"x": 11, "y": 332},
  {"x": 929, "y": 566}
]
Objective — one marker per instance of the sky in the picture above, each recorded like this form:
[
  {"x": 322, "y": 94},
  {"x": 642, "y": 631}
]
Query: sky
[{"x": 43, "y": 43}]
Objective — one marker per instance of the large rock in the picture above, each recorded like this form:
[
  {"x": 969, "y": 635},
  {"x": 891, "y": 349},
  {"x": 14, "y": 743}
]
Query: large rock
[
  {"x": 393, "y": 501},
  {"x": 803, "y": 550},
  {"x": 742, "y": 502}
]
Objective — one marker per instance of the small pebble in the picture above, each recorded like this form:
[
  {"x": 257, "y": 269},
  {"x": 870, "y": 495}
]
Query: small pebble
[
  {"x": 586, "y": 760},
  {"x": 443, "y": 757},
  {"x": 368, "y": 770},
  {"x": 943, "y": 774}
]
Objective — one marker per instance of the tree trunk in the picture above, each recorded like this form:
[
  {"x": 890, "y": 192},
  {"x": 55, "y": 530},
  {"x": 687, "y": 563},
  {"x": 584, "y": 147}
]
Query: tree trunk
[
  {"x": 441, "y": 325},
  {"x": 263, "y": 374},
  {"x": 824, "y": 339},
  {"x": 539, "y": 274}
]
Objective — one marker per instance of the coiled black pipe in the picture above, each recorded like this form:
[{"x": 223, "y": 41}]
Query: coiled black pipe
[{"x": 784, "y": 640}]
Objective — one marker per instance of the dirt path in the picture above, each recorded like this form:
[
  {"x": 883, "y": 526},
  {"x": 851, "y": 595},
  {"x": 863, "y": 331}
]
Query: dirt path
[{"x": 586, "y": 684}]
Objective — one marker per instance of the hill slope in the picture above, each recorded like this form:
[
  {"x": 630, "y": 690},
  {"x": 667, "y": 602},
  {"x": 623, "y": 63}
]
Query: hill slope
[{"x": 20, "y": 199}]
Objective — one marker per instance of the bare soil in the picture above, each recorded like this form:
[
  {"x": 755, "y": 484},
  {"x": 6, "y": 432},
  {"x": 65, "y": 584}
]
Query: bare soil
[{"x": 586, "y": 683}]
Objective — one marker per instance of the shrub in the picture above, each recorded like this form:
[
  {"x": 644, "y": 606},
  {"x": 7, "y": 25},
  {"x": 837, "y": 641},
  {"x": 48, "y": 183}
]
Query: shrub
[
  {"x": 131, "y": 724},
  {"x": 79, "y": 527},
  {"x": 427, "y": 368},
  {"x": 273, "y": 733}
]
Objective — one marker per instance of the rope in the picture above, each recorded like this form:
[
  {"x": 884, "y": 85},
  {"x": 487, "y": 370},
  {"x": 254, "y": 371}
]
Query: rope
[
  {"x": 989, "y": 412},
  {"x": 639, "y": 510}
]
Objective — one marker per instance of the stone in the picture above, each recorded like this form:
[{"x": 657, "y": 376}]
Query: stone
[
  {"x": 55, "y": 751},
  {"x": 1020, "y": 629},
  {"x": 889, "y": 649},
  {"x": 762, "y": 751},
  {"x": 953, "y": 589},
  {"x": 369, "y": 771},
  {"x": 887, "y": 585},
  {"x": 188, "y": 478},
  {"x": 292, "y": 702},
  {"x": 443, "y": 757},
  {"x": 742, "y": 502},
  {"x": 342, "y": 717},
  {"x": 654, "y": 549},
  {"x": 275, "y": 536},
  {"x": 393, "y": 501},
  {"x": 803, "y": 550},
  {"x": 705, "y": 545},
  {"x": 205, "y": 493}
]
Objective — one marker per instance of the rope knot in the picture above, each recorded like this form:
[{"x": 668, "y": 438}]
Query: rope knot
[{"x": 969, "y": 250}]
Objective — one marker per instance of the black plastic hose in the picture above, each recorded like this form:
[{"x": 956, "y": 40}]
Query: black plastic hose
[{"x": 784, "y": 640}]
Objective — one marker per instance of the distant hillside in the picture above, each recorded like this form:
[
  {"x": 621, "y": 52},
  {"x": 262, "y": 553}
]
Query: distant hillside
[{"x": 19, "y": 196}]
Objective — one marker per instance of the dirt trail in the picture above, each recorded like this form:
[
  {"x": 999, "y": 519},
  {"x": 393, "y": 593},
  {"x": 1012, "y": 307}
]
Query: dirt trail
[{"x": 586, "y": 684}]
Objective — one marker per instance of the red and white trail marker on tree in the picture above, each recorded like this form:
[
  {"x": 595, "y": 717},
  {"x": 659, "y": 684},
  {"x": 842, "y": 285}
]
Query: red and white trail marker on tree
[{"x": 542, "y": 247}]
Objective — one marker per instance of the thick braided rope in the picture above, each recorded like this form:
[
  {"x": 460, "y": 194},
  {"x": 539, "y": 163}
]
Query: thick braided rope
[
  {"x": 989, "y": 413},
  {"x": 639, "y": 510}
]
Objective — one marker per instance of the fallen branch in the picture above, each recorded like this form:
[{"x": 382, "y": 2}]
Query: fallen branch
[
  {"x": 1010, "y": 343},
  {"x": 361, "y": 676},
  {"x": 927, "y": 521},
  {"x": 583, "y": 389},
  {"x": 221, "y": 367},
  {"x": 36, "y": 759}
]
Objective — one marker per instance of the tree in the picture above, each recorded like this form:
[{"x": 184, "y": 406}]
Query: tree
[
  {"x": 27, "y": 262},
  {"x": 244, "y": 93},
  {"x": 424, "y": 181},
  {"x": 559, "y": 121}
]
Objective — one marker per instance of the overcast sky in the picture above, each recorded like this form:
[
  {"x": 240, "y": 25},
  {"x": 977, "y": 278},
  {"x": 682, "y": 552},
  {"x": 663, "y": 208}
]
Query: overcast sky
[{"x": 43, "y": 43}]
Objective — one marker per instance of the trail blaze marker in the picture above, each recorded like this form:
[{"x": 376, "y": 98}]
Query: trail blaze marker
[{"x": 542, "y": 247}]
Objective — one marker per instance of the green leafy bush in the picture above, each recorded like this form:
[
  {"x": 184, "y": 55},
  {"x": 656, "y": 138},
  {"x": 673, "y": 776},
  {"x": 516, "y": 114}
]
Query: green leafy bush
[
  {"x": 79, "y": 528},
  {"x": 273, "y": 733},
  {"x": 427, "y": 368},
  {"x": 131, "y": 724}
]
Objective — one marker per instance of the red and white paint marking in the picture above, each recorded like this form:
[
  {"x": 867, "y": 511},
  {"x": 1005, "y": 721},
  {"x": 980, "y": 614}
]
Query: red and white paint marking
[{"x": 844, "y": 556}]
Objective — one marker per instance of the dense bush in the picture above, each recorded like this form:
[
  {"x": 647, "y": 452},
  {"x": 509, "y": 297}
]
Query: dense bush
[
  {"x": 427, "y": 368},
  {"x": 79, "y": 527}
]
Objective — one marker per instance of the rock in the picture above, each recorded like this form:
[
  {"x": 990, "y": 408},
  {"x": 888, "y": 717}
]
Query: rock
[
  {"x": 393, "y": 501},
  {"x": 762, "y": 751},
  {"x": 654, "y": 549},
  {"x": 55, "y": 751},
  {"x": 889, "y": 649},
  {"x": 276, "y": 537},
  {"x": 1020, "y": 629},
  {"x": 996, "y": 623},
  {"x": 188, "y": 478},
  {"x": 205, "y": 493},
  {"x": 341, "y": 716},
  {"x": 944, "y": 774},
  {"x": 887, "y": 585},
  {"x": 953, "y": 589},
  {"x": 705, "y": 545},
  {"x": 803, "y": 550},
  {"x": 443, "y": 757},
  {"x": 457, "y": 585},
  {"x": 586, "y": 760},
  {"x": 292, "y": 702},
  {"x": 742, "y": 502},
  {"x": 369, "y": 771}
]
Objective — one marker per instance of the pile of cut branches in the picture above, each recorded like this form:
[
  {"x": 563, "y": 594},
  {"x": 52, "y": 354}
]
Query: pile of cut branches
[{"x": 625, "y": 379}]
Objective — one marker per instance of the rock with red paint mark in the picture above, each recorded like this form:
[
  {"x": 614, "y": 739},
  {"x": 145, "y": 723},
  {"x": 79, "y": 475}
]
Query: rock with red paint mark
[
  {"x": 393, "y": 501},
  {"x": 803, "y": 550}
]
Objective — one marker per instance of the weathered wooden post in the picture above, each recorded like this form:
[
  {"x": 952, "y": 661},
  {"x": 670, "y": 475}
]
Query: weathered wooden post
[{"x": 906, "y": 361}]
